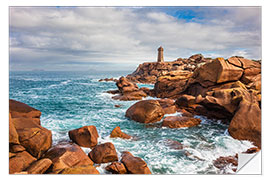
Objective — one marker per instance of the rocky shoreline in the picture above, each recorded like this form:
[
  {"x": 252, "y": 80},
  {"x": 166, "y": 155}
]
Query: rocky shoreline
[{"x": 222, "y": 89}]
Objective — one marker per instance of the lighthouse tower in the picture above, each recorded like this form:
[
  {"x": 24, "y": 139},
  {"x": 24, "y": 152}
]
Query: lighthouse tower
[{"x": 160, "y": 55}]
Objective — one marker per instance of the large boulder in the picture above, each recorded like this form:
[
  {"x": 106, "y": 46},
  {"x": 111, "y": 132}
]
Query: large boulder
[
  {"x": 216, "y": 71},
  {"x": 116, "y": 168},
  {"x": 80, "y": 170},
  {"x": 86, "y": 136},
  {"x": 146, "y": 111},
  {"x": 246, "y": 122},
  {"x": 180, "y": 122},
  {"x": 39, "y": 167},
  {"x": 35, "y": 138},
  {"x": 134, "y": 165},
  {"x": 67, "y": 155},
  {"x": 103, "y": 153},
  {"x": 117, "y": 133},
  {"x": 20, "y": 161}
]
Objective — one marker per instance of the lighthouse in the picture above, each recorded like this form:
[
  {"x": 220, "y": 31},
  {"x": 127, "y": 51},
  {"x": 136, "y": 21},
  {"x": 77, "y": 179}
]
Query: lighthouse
[{"x": 160, "y": 55}]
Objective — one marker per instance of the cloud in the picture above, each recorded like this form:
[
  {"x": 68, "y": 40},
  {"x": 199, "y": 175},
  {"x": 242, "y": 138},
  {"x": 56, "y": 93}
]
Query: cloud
[{"x": 52, "y": 37}]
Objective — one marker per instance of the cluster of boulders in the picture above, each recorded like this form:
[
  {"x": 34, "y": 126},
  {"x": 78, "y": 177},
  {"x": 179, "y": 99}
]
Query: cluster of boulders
[
  {"x": 31, "y": 150},
  {"x": 128, "y": 91},
  {"x": 223, "y": 89},
  {"x": 149, "y": 72}
]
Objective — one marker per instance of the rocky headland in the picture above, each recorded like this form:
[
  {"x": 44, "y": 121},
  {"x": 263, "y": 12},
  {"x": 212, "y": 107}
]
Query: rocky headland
[{"x": 220, "y": 89}]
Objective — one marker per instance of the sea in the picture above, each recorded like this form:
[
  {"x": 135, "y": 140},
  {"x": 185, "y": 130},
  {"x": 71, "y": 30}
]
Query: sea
[{"x": 70, "y": 100}]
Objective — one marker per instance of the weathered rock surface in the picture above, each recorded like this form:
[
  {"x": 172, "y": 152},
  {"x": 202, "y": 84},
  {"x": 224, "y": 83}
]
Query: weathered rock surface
[
  {"x": 35, "y": 138},
  {"x": 86, "y": 136},
  {"x": 134, "y": 165},
  {"x": 25, "y": 130},
  {"x": 103, "y": 153},
  {"x": 20, "y": 161},
  {"x": 127, "y": 91},
  {"x": 116, "y": 168},
  {"x": 180, "y": 122},
  {"x": 117, "y": 133},
  {"x": 19, "y": 109},
  {"x": 146, "y": 111},
  {"x": 168, "y": 105},
  {"x": 39, "y": 167},
  {"x": 67, "y": 155},
  {"x": 80, "y": 170},
  {"x": 148, "y": 72}
]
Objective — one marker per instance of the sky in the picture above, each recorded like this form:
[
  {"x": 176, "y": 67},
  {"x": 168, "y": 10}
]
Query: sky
[{"x": 120, "y": 38}]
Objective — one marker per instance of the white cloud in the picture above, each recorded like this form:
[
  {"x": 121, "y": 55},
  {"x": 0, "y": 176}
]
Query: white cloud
[{"x": 127, "y": 35}]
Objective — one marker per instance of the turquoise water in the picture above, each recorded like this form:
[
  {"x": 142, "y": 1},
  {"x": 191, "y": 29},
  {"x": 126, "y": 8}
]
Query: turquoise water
[{"x": 70, "y": 100}]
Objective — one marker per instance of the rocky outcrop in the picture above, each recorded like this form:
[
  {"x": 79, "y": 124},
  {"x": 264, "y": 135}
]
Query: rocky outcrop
[
  {"x": 134, "y": 165},
  {"x": 67, "y": 155},
  {"x": 80, "y": 170},
  {"x": 117, "y": 133},
  {"x": 173, "y": 144},
  {"x": 222, "y": 162},
  {"x": 108, "y": 79},
  {"x": 171, "y": 84},
  {"x": 146, "y": 111},
  {"x": 127, "y": 91},
  {"x": 116, "y": 168},
  {"x": 148, "y": 72},
  {"x": 28, "y": 140},
  {"x": 86, "y": 136},
  {"x": 180, "y": 122},
  {"x": 103, "y": 153}
]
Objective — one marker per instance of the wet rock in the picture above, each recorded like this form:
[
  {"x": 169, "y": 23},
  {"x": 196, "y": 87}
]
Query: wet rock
[
  {"x": 67, "y": 155},
  {"x": 117, "y": 133},
  {"x": 80, "y": 170},
  {"x": 113, "y": 91},
  {"x": 146, "y": 111},
  {"x": 20, "y": 161},
  {"x": 108, "y": 79},
  {"x": 117, "y": 105},
  {"x": 223, "y": 162},
  {"x": 180, "y": 122},
  {"x": 39, "y": 167},
  {"x": 252, "y": 150},
  {"x": 116, "y": 168},
  {"x": 86, "y": 136},
  {"x": 134, "y": 165},
  {"x": 103, "y": 153}
]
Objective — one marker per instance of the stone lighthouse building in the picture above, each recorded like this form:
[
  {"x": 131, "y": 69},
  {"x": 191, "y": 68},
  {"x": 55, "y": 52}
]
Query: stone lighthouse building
[{"x": 160, "y": 55}]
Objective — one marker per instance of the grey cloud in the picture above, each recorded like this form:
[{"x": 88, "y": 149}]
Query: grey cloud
[{"x": 128, "y": 35}]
